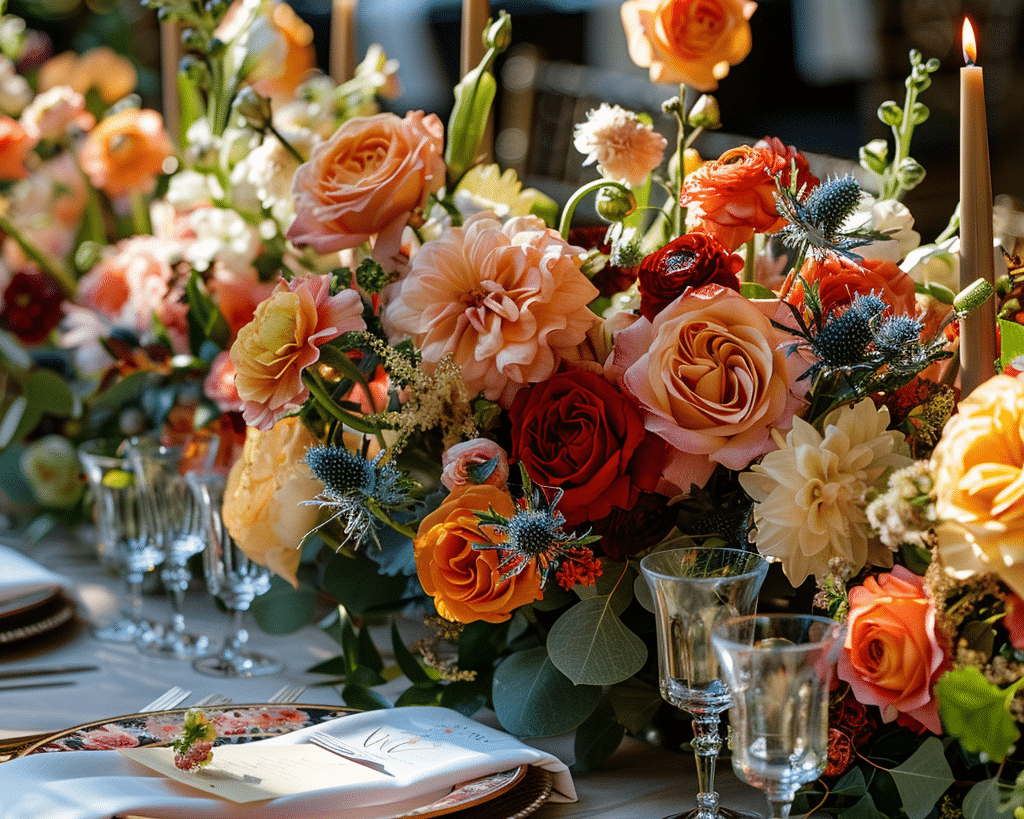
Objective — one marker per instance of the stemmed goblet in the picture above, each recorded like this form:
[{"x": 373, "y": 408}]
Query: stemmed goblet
[
  {"x": 234, "y": 578},
  {"x": 695, "y": 589},
  {"x": 779, "y": 669}
]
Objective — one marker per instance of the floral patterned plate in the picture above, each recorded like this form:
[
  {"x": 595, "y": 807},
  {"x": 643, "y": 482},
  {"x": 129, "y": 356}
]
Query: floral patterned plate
[{"x": 244, "y": 723}]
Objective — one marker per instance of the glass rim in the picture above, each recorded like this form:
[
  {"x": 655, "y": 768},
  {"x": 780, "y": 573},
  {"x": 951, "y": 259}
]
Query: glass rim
[
  {"x": 835, "y": 629},
  {"x": 761, "y": 565}
]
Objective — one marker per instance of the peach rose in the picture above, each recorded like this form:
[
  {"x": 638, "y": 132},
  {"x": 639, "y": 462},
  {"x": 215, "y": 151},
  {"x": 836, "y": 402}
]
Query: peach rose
[
  {"x": 688, "y": 41},
  {"x": 839, "y": 279},
  {"x": 366, "y": 181},
  {"x": 266, "y": 486},
  {"x": 734, "y": 195},
  {"x": 457, "y": 461},
  {"x": 126, "y": 151},
  {"x": 299, "y": 59},
  {"x": 283, "y": 339},
  {"x": 978, "y": 467},
  {"x": 892, "y": 657},
  {"x": 15, "y": 145},
  {"x": 711, "y": 378},
  {"x": 465, "y": 582}
]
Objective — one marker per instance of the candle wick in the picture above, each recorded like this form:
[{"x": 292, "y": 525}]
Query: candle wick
[{"x": 970, "y": 63}]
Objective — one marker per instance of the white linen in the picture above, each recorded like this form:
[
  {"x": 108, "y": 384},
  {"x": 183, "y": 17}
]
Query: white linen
[
  {"x": 100, "y": 784},
  {"x": 20, "y": 576}
]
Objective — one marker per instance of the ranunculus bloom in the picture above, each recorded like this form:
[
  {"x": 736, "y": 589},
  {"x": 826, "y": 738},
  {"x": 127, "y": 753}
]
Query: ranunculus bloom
[
  {"x": 366, "y": 181},
  {"x": 688, "y": 41},
  {"x": 839, "y": 279},
  {"x": 465, "y": 582},
  {"x": 219, "y": 384},
  {"x": 578, "y": 433},
  {"x": 507, "y": 301},
  {"x": 263, "y": 500},
  {"x": 299, "y": 59},
  {"x": 978, "y": 467},
  {"x": 53, "y": 113},
  {"x": 31, "y": 305},
  {"x": 111, "y": 74},
  {"x": 892, "y": 657},
  {"x": 625, "y": 149},
  {"x": 458, "y": 459},
  {"x": 283, "y": 339},
  {"x": 735, "y": 194},
  {"x": 125, "y": 152},
  {"x": 692, "y": 260},
  {"x": 15, "y": 144},
  {"x": 711, "y": 378}
]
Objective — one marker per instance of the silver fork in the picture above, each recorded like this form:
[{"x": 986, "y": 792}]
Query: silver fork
[
  {"x": 167, "y": 700},
  {"x": 213, "y": 699},
  {"x": 336, "y": 746},
  {"x": 287, "y": 694}
]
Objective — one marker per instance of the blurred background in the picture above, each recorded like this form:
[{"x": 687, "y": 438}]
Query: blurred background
[{"x": 816, "y": 75}]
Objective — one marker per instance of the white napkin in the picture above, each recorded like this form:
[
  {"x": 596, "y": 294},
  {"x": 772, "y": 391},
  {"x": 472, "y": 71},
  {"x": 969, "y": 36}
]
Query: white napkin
[
  {"x": 101, "y": 784},
  {"x": 21, "y": 576}
]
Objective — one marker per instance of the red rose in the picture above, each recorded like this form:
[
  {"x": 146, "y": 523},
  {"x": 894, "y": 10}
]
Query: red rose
[
  {"x": 578, "y": 433},
  {"x": 31, "y": 306},
  {"x": 692, "y": 260},
  {"x": 840, "y": 754}
]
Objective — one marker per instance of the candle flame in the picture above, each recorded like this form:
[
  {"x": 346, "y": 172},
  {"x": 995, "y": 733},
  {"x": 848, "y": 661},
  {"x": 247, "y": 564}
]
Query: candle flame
[{"x": 970, "y": 44}]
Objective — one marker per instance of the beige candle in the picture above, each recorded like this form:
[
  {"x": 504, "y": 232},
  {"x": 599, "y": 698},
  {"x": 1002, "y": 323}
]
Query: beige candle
[
  {"x": 475, "y": 14},
  {"x": 978, "y": 328},
  {"x": 170, "y": 56},
  {"x": 343, "y": 40}
]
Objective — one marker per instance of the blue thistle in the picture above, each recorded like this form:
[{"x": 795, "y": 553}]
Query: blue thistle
[
  {"x": 816, "y": 221},
  {"x": 846, "y": 336},
  {"x": 831, "y": 203},
  {"x": 897, "y": 335}
]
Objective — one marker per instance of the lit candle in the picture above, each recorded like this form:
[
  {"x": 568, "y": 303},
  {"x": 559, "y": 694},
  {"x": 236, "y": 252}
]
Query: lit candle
[
  {"x": 475, "y": 14},
  {"x": 343, "y": 40},
  {"x": 977, "y": 328}
]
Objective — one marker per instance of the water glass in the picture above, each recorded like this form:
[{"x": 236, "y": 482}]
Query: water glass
[
  {"x": 695, "y": 589},
  {"x": 779, "y": 668},
  {"x": 234, "y": 578}
]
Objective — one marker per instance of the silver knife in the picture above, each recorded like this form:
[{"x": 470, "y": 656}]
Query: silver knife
[
  {"x": 19, "y": 673},
  {"x": 49, "y": 684}
]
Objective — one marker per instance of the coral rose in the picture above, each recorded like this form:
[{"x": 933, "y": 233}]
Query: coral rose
[
  {"x": 978, "y": 467},
  {"x": 578, "y": 433},
  {"x": 891, "y": 656},
  {"x": 692, "y": 260},
  {"x": 366, "y": 181},
  {"x": 283, "y": 339},
  {"x": 839, "y": 279},
  {"x": 219, "y": 384},
  {"x": 734, "y": 195},
  {"x": 711, "y": 378},
  {"x": 458, "y": 460},
  {"x": 15, "y": 144},
  {"x": 126, "y": 151},
  {"x": 688, "y": 41},
  {"x": 465, "y": 582},
  {"x": 263, "y": 499},
  {"x": 507, "y": 301}
]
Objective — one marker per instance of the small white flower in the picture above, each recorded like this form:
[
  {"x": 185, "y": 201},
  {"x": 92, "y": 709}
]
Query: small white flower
[
  {"x": 936, "y": 264},
  {"x": 15, "y": 92},
  {"x": 889, "y": 217},
  {"x": 624, "y": 148},
  {"x": 222, "y": 236}
]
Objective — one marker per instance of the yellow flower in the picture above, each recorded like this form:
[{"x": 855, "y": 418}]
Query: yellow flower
[{"x": 485, "y": 187}]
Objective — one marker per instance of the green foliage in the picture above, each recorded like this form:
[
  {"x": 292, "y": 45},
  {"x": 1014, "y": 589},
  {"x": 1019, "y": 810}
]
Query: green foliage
[
  {"x": 284, "y": 609},
  {"x": 590, "y": 644},
  {"x": 923, "y": 778},
  {"x": 976, "y": 712},
  {"x": 597, "y": 737},
  {"x": 357, "y": 584}
]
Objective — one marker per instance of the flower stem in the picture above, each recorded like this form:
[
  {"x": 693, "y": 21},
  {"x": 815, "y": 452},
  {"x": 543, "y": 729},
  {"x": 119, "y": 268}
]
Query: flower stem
[
  {"x": 677, "y": 208},
  {"x": 54, "y": 270},
  {"x": 577, "y": 197}
]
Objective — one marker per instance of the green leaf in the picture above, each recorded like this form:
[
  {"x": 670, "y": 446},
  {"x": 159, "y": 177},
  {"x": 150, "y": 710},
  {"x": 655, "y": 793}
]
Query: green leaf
[
  {"x": 205, "y": 320},
  {"x": 532, "y": 698},
  {"x": 355, "y": 696},
  {"x": 635, "y": 703},
  {"x": 468, "y": 696},
  {"x": 616, "y": 580},
  {"x": 975, "y": 711},
  {"x": 360, "y": 588},
  {"x": 363, "y": 676},
  {"x": 1011, "y": 341},
  {"x": 13, "y": 421},
  {"x": 591, "y": 646},
  {"x": 982, "y": 801},
  {"x": 753, "y": 290},
  {"x": 52, "y": 394},
  {"x": 420, "y": 695},
  {"x": 284, "y": 609},
  {"x": 366, "y": 650},
  {"x": 335, "y": 667},
  {"x": 17, "y": 357},
  {"x": 126, "y": 391},
  {"x": 864, "y": 808},
  {"x": 597, "y": 739},
  {"x": 410, "y": 666},
  {"x": 923, "y": 778}
]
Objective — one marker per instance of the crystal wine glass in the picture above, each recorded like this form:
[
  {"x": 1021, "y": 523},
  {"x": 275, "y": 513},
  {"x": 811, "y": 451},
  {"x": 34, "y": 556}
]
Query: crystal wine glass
[
  {"x": 234, "y": 578},
  {"x": 124, "y": 542},
  {"x": 694, "y": 589},
  {"x": 779, "y": 669}
]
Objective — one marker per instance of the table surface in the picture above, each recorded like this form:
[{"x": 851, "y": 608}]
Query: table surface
[{"x": 639, "y": 781}]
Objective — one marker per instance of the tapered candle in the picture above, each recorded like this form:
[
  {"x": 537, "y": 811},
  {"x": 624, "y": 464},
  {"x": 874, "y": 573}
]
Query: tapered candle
[
  {"x": 343, "y": 40},
  {"x": 475, "y": 14},
  {"x": 977, "y": 328},
  {"x": 170, "y": 56}
]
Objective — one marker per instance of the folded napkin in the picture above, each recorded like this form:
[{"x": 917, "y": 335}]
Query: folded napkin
[
  {"x": 21, "y": 576},
  {"x": 451, "y": 750}
]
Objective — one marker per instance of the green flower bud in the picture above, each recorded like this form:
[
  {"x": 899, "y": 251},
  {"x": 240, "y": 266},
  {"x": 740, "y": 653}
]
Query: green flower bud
[
  {"x": 216, "y": 8},
  {"x": 1009, "y": 307},
  {"x": 216, "y": 48},
  {"x": 890, "y": 113},
  {"x": 615, "y": 204},
  {"x": 498, "y": 34},
  {"x": 933, "y": 65},
  {"x": 193, "y": 68},
  {"x": 253, "y": 108},
  {"x": 705, "y": 113},
  {"x": 974, "y": 295},
  {"x": 671, "y": 106},
  {"x": 87, "y": 255},
  {"x": 919, "y": 113},
  {"x": 910, "y": 172},
  {"x": 875, "y": 155}
]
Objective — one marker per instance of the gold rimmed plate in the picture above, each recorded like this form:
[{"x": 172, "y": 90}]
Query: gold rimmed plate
[{"x": 32, "y": 614}]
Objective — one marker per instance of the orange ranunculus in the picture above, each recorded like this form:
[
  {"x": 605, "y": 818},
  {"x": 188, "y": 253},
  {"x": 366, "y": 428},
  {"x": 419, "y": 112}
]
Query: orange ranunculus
[
  {"x": 15, "y": 144},
  {"x": 366, "y": 181},
  {"x": 839, "y": 279},
  {"x": 688, "y": 41},
  {"x": 263, "y": 500},
  {"x": 111, "y": 74},
  {"x": 735, "y": 194},
  {"x": 125, "y": 152},
  {"x": 465, "y": 582},
  {"x": 978, "y": 468},
  {"x": 892, "y": 657}
]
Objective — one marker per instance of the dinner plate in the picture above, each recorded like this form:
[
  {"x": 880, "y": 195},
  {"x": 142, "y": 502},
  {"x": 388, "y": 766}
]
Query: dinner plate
[
  {"x": 515, "y": 793},
  {"x": 35, "y": 613}
]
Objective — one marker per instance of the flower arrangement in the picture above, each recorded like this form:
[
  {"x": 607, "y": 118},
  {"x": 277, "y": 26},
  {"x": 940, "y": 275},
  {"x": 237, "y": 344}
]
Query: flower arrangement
[{"x": 461, "y": 405}]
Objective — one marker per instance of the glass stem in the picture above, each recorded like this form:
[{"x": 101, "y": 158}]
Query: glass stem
[
  {"x": 706, "y": 745},
  {"x": 240, "y": 636},
  {"x": 133, "y": 604},
  {"x": 780, "y": 808}
]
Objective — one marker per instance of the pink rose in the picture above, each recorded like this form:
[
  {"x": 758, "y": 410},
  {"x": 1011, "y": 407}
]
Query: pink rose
[
  {"x": 283, "y": 339},
  {"x": 711, "y": 378},
  {"x": 366, "y": 181},
  {"x": 458, "y": 459}
]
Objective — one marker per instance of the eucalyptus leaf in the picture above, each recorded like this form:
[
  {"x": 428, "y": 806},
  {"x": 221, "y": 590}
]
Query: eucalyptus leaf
[
  {"x": 365, "y": 699},
  {"x": 532, "y": 698},
  {"x": 923, "y": 778},
  {"x": 126, "y": 391},
  {"x": 975, "y": 711},
  {"x": 597, "y": 738},
  {"x": 982, "y": 800},
  {"x": 591, "y": 646},
  {"x": 467, "y": 696},
  {"x": 864, "y": 808},
  {"x": 357, "y": 584},
  {"x": 284, "y": 609},
  {"x": 635, "y": 703},
  {"x": 420, "y": 695},
  {"x": 16, "y": 357}
]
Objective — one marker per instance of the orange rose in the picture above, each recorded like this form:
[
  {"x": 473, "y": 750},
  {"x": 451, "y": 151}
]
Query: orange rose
[
  {"x": 978, "y": 468},
  {"x": 300, "y": 58},
  {"x": 839, "y": 279},
  {"x": 465, "y": 582},
  {"x": 15, "y": 144},
  {"x": 366, "y": 181},
  {"x": 688, "y": 41},
  {"x": 126, "y": 151},
  {"x": 891, "y": 657},
  {"x": 735, "y": 194}
]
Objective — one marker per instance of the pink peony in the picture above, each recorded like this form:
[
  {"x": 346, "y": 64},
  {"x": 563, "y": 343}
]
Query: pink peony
[
  {"x": 458, "y": 459},
  {"x": 507, "y": 301}
]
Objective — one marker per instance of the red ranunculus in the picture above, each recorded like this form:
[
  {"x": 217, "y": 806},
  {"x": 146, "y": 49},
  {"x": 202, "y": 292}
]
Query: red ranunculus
[
  {"x": 692, "y": 260},
  {"x": 840, "y": 279},
  {"x": 31, "y": 306},
  {"x": 578, "y": 433}
]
